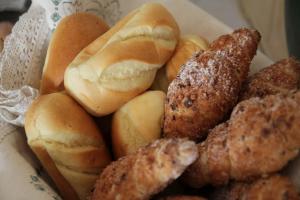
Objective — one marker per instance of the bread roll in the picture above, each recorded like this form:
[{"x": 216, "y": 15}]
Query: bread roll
[
  {"x": 148, "y": 171},
  {"x": 67, "y": 142},
  {"x": 72, "y": 34},
  {"x": 274, "y": 187},
  {"x": 138, "y": 122},
  {"x": 123, "y": 62},
  {"x": 187, "y": 46},
  {"x": 5, "y": 29},
  {"x": 207, "y": 86},
  {"x": 281, "y": 77}
]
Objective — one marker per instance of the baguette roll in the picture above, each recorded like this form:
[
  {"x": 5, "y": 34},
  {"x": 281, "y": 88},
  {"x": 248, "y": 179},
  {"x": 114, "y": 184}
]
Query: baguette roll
[
  {"x": 123, "y": 62},
  {"x": 71, "y": 35},
  {"x": 67, "y": 142}
]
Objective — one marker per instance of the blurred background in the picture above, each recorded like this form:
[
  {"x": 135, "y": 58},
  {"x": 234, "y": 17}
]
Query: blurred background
[{"x": 277, "y": 20}]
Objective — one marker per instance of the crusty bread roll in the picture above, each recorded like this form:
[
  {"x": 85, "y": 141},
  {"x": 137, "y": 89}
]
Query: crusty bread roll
[
  {"x": 123, "y": 62},
  {"x": 138, "y": 122},
  {"x": 72, "y": 34},
  {"x": 67, "y": 142},
  {"x": 148, "y": 171},
  {"x": 186, "y": 47},
  {"x": 281, "y": 77},
  {"x": 208, "y": 85}
]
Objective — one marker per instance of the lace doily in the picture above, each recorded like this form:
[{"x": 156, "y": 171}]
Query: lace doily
[
  {"x": 109, "y": 10},
  {"x": 21, "y": 63}
]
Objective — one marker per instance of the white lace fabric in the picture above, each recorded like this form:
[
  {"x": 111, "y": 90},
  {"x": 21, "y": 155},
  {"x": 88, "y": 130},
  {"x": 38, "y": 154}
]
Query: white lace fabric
[{"x": 21, "y": 63}]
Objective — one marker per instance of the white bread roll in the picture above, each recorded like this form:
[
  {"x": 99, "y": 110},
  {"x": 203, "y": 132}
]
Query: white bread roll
[
  {"x": 186, "y": 47},
  {"x": 123, "y": 62},
  {"x": 138, "y": 122},
  {"x": 67, "y": 142},
  {"x": 71, "y": 35}
]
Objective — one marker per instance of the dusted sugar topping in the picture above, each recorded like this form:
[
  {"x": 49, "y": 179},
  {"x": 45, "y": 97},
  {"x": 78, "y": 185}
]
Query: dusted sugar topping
[
  {"x": 208, "y": 85},
  {"x": 260, "y": 138},
  {"x": 280, "y": 77},
  {"x": 203, "y": 69},
  {"x": 146, "y": 172}
]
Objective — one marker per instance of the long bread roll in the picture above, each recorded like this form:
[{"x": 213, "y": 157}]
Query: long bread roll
[
  {"x": 123, "y": 62},
  {"x": 67, "y": 142},
  {"x": 71, "y": 35}
]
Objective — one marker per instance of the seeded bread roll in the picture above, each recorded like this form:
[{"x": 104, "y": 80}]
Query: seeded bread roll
[
  {"x": 71, "y": 35},
  {"x": 138, "y": 122},
  {"x": 67, "y": 142},
  {"x": 123, "y": 62}
]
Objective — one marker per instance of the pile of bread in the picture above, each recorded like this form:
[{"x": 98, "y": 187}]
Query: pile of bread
[{"x": 247, "y": 129}]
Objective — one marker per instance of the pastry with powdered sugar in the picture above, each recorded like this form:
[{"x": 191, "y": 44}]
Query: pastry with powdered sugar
[{"x": 207, "y": 86}]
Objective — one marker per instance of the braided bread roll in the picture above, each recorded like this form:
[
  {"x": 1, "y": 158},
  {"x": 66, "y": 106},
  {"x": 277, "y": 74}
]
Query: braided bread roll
[{"x": 123, "y": 62}]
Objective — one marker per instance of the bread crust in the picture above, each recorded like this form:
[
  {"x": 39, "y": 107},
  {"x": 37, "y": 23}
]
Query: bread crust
[
  {"x": 138, "y": 123},
  {"x": 275, "y": 187},
  {"x": 123, "y": 62},
  {"x": 71, "y": 35},
  {"x": 186, "y": 47},
  {"x": 280, "y": 77},
  {"x": 208, "y": 85},
  {"x": 142, "y": 174},
  {"x": 260, "y": 138},
  {"x": 67, "y": 142}
]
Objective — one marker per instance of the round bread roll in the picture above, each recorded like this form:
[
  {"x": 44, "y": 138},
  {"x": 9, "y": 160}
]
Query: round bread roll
[
  {"x": 123, "y": 62},
  {"x": 67, "y": 142},
  {"x": 138, "y": 122},
  {"x": 71, "y": 35},
  {"x": 187, "y": 46}
]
